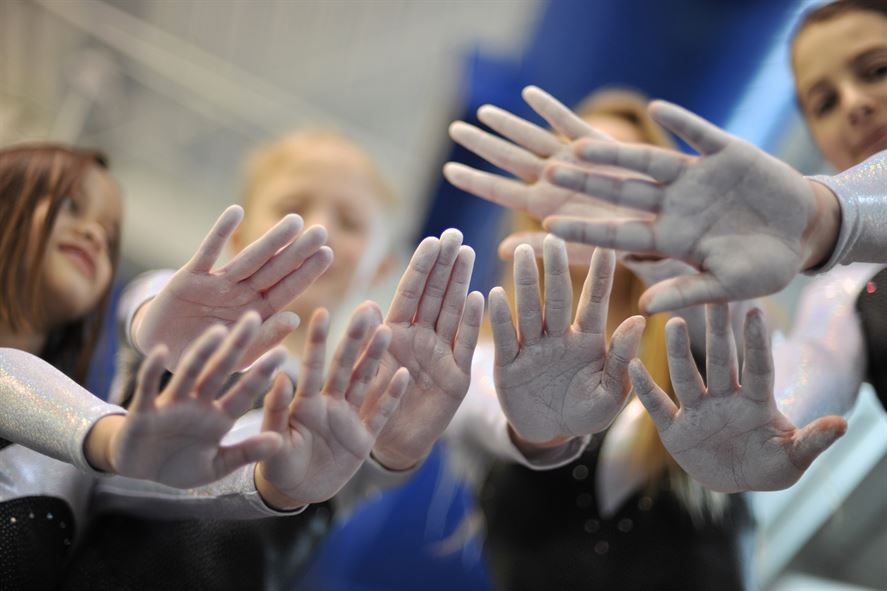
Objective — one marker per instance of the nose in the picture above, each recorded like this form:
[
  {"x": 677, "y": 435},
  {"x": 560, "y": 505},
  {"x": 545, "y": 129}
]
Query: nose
[
  {"x": 860, "y": 106},
  {"x": 94, "y": 233},
  {"x": 322, "y": 216}
]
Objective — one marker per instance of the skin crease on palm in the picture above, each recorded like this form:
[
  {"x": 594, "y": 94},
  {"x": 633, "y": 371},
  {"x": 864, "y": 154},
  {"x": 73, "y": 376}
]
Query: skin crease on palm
[{"x": 840, "y": 68}]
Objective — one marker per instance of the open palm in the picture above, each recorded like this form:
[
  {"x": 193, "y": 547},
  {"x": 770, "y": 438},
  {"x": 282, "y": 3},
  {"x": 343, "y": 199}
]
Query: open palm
[
  {"x": 557, "y": 379},
  {"x": 434, "y": 325},
  {"x": 265, "y": 277},
  {"x": 329, "y": 428},
  {"x": 730, "y": 437}
]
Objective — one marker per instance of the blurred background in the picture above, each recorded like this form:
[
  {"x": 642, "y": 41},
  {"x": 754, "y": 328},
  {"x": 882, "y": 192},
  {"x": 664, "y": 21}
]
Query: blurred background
[{"x": 177, "y": 92}]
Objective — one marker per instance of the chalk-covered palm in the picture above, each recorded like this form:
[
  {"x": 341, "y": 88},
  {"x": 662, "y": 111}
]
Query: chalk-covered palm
[
  {"x": 740, "y": 216},
  {"x": 524, "y": 150},
  {"x": 557, "y": 379},
  {"x": 730, "y": 437},
  {"x": 265, "y": 277},
  {"x": 434, "y": 325},
  {"x": 174, "y": 437},
  {"x": 328, "y": 429}
]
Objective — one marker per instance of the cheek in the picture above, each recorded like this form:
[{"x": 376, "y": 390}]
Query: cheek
[{"x": 831, "y": 142}]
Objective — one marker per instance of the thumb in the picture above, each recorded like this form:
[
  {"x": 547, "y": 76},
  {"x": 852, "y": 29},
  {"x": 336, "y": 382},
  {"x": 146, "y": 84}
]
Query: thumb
[
  {"x": 681, "y": 292},
  {"x": 254, "y": 449},
  {"x": 814, "y": 439}
]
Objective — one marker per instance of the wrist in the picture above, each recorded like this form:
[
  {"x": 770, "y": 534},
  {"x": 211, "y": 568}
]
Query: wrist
[
  {"x": 136, "y": 324},
  {"x": 273, "y": 496},
  {"x": 821, "y": 234},
  {"x": 98, "y": 444},
  {"x": 393, "y": 461},
  {"x": 527, "y": 446}
]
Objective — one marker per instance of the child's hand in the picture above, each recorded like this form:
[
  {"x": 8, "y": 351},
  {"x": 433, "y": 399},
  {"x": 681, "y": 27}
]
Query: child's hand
[
  {"x": 328, "y": 430},
  {"x": 174, "y": 436},
  {"x": 266, "y": 276}
]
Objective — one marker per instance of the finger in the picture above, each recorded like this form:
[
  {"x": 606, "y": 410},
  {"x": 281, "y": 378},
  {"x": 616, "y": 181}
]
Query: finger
[
  {"x": 757, "y": 364},
  {"x": 347, "y": 353},
  {"x": 313, "y": 362},
  {"x": 594, "y": 301},
  {"x": 469, "y": 330},
  {"x": 194, "y": 361},
  {"x": 439, "y": 278},
  {"x": 271, "y": 333},
  {"x": 577, "y": 254},
  {"x": 492, "y": 187},
  {"x": 623, "y": 348},
  {"x": 227, "y": 357},
  {"x": 681, "y": 292},
  {"x": 662, "y": 410},
  {"x": 721, "y": 365},
  {"x": 662, "y": 165},
  {"x": 255, "y": 382},
  {"x": 530, "y": 136},
  {"x": 291, "y": 286},
  {"x": 685, "y": 379},
  {"x": 625, "y": 192},
  {"x": 504, "y": 336},
  {"x": 558, "y": 306},
  {"x": 275, "y": 411},
  {"x": 254, "y": 449},
  {"x": 505, "y": 155},
  {"x": 454, "y": 300},
  {"x": 699, "y": 133},
  {"x": 561, "y": 119},
  {"x": 412, "y": 283},
  {"x": 632, "y": 235},
  {"x": 389, "y": 401},
  {"x": 814, "y": 439},
  {"x": 254, "y": 256},
  {"x": 148, "y": 382},
  {"x": 526, "y": 296},
  {"x": 214, "y": 243},
  {"x": 367, "y": 366},
  {"x": 288, "y": 260}
]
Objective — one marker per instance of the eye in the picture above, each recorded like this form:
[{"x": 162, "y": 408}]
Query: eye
[
  {"x": 68, "y": 204},
  {"x": 875, "y": 72},
  {"x": 824, "y": 104}
]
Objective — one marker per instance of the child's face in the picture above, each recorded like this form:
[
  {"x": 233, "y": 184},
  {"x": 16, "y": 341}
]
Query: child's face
[
  {"x": 333, "y": 186},
  {"x": 841, "y": 79},
  {"x": 77, "y": 266}
]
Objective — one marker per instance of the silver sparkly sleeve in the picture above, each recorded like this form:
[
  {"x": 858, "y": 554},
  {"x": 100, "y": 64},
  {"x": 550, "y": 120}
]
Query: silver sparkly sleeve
[
  {"x": 43, "y": 409},
  {"x": 821, "y": 366},
  {"x": 862, "y": 194}
]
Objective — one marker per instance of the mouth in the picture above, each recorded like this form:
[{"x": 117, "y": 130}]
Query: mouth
[
  {"x": 873, "y": 142},
  {"x": 81, "y": 258}
]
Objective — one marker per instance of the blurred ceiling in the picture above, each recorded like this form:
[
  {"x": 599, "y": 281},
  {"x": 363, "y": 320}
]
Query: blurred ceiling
[{"x": 177, "y": 92}]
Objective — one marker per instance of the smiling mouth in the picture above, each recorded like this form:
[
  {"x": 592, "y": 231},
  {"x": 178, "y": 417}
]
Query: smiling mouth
[{"x": 80, "y": 258}]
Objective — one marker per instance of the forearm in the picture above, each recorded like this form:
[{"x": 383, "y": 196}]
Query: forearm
[
  {"x": 859, "y": 203},
  {"x": 45, "y": 410}
]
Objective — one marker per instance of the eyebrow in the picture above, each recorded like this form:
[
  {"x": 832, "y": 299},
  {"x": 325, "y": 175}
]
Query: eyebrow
[{"x": 861, "y": 57}]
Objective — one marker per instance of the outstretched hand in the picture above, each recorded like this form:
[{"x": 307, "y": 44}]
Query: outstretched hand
[
  {"x": 174, "y": 436},
  {"x": 730, "y": 437},
  {"x": 524, "y": 150},
  {"x": 555, "y": 379},
  {"x": 434, "y": 325},
  {"x": 330, "y": 426},
  {"x": 265, "y": 277},
  {"x": 746, "y": 220}
]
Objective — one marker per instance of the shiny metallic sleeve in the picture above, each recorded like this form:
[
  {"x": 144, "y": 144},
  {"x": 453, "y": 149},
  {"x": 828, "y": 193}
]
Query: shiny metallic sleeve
[
  {"x": 821, "y": 366},
  {"x": 43, "y": 409},
  {"x": 862, "y": 194}
]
